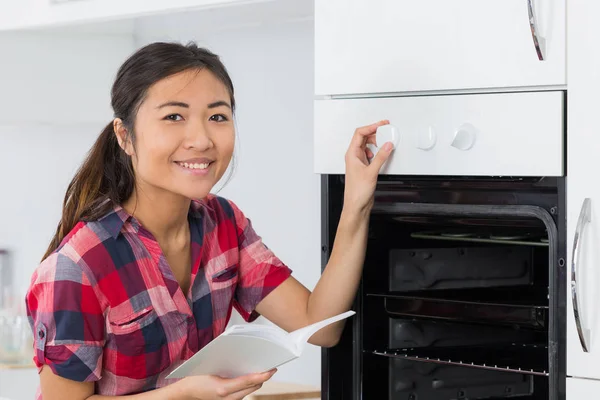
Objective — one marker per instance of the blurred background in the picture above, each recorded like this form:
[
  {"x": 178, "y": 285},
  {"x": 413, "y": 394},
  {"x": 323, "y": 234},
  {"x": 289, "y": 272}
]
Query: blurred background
[{"x": 58, "y": 60}]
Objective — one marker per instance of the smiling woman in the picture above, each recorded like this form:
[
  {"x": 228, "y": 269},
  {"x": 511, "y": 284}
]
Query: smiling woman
[{"x": 146, "y": 264}]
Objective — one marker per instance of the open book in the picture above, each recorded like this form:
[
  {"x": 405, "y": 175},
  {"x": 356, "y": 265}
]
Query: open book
[{"x": 246, "y": 349}]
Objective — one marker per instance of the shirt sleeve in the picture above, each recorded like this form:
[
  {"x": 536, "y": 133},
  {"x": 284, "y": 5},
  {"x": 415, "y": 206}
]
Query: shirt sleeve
[
  {"x": 67, "y": 320},
  {"x": 260, "y": 271}
]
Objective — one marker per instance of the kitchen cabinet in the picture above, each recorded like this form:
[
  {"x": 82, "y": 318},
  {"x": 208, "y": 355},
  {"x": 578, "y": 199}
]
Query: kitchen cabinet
[
  {"x": 379, "y": 46},
  {"x": 583, "y": 193},
  {"x": 582, "y": 389},
  {"x": 13, "y": 10},
  {"x": 35, "y": 14}
]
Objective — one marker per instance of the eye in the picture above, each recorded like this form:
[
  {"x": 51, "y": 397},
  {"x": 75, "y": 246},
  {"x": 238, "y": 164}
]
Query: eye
[
  {"x": 219, "y": 118},
  {"x": 173, "y": 117}
]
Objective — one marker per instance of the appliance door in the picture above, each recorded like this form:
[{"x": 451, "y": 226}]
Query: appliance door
[
  {"x": 582, "y": 270},
  {"x": 506, "y": 134},
  {"x": 375, "y": 46},
  {"x": 582, "y": 389}
]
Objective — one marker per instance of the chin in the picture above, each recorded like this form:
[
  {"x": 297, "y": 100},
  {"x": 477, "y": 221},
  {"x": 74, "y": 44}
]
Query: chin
[{"x": 196, "y": 194}]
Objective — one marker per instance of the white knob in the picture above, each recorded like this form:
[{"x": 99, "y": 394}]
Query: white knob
[
  {"x": 465, "y": 136},
  {"x": 387, "y": 133},
  {"x": 426, "y": 140}
]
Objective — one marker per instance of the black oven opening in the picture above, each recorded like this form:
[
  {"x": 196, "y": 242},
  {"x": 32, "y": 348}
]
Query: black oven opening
[{"x": 464, "y": 311}]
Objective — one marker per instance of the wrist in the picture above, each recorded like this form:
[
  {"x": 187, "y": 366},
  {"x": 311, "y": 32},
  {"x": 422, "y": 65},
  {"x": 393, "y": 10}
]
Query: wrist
[
  {"x": 179, "y": 390},
  {"x": 354, "y": 216},
  {"x": 355, "y": 212}
]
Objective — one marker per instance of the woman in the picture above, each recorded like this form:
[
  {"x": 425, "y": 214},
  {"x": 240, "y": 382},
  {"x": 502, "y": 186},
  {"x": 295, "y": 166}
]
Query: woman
[{"x": 146, "y": 264}]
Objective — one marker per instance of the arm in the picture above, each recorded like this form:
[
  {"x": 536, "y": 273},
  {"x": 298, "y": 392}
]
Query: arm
[
  {"x": 55, "y": 387},
  {"x": 291, "y": 305},
  {"x": 203, "y": 387}
]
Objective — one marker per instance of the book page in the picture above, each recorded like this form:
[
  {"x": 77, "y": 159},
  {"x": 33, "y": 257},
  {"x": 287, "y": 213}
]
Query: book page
[
  {"x": 270, "y": 333},
  {"x": 234, "y": 355}
]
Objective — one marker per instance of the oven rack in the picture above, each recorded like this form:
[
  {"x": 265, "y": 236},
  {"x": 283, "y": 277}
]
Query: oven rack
[
  {"x": 523, "y": 358},
  {"x": 522, "y": 308},
  {"x": 516, "y": 240}
]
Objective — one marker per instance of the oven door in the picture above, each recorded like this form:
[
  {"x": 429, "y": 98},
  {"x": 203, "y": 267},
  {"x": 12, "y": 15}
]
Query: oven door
[{"x": 462, "y": 294}]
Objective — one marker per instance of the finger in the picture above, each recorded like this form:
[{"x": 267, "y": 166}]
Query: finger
[
  {"x": 243, "y": 393},
  {"x": 366, "y": 133},
  {"x": 369, "y": 153},
  {"x": 229, "y": 386},
  {"x": 382, "y": 155}
]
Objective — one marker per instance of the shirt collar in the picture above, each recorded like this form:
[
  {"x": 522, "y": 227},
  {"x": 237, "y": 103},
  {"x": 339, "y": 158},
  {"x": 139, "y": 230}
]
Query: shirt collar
[{"x": 114, "y": 221}]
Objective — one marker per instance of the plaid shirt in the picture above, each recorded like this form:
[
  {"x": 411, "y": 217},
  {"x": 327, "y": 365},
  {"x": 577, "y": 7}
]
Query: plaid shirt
[{"x": 106, "y": 307}]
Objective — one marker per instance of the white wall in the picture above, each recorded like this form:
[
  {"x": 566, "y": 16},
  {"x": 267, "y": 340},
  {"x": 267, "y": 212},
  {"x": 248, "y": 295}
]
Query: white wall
[
  {"x": 274, "y": 184},
  {"x": 55, "y": 100}
]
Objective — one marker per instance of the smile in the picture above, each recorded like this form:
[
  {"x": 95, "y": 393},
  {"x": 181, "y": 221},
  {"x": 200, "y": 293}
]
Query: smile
[{"x": 193, "y": 165}]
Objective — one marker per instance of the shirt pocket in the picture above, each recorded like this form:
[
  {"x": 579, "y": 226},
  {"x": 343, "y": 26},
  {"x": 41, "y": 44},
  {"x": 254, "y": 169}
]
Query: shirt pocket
[
  {"x": 228, "y": 274},
  {"x": 138, "y": 342},
  {"x": 131, "y": 322}
]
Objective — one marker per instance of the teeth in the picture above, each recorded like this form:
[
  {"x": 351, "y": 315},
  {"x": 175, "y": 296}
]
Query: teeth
[{"x": 194, "y": 166}]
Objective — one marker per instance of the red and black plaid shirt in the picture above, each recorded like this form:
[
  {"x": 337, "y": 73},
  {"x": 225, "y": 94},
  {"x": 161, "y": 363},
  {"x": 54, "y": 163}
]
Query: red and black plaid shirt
[{"x": 106, "y": 306}]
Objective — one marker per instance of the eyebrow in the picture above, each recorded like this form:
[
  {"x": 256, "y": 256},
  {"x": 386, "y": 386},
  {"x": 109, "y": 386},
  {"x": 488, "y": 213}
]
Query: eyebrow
[
  {"x": 216, "y": 104},
  {"x": 219, "y": 104},
  {"x": 174, "y": 104}
]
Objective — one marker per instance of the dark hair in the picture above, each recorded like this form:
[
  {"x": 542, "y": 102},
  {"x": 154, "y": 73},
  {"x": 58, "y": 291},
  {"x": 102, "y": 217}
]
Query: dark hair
[{"x": 106, "y": 176}]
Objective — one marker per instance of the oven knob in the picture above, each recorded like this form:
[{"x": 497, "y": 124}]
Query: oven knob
[
  {"x": 426, "y": 140},
  {"x": 465, "y": 136},
  {"x": 387, "y": 133}
]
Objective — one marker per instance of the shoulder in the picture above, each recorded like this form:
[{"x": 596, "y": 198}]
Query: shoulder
[
  {"x": 79, "y": 258},
  {"x": 65, "y": 279}
]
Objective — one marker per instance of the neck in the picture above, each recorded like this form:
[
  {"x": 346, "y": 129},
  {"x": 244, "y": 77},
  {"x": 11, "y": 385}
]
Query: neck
[{"x": 162, "y": 213}]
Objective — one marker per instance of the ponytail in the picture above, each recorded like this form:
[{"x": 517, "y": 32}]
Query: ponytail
[{"x": 104, "y": 179}]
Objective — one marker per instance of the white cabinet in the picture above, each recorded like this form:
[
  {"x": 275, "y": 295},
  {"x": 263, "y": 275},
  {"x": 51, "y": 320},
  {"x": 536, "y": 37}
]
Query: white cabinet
[
  {"x": 582, "y": 183},
  {"x": 582, "y": 389},
  {"x": 376, "y": 46},
  {"x": 35, "y": 14},
  {"x": 14, "y": 10},
  {"x": 451, "y": 135}
]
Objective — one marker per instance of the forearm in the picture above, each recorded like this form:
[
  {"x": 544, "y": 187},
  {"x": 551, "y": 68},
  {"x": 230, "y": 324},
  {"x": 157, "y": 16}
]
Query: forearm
[
  {"x": 335, "y": 291},
  {"x": 171, "y": 392}
]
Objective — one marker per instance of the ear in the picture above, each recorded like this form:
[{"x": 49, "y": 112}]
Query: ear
[{"x": 123, "y": 136}]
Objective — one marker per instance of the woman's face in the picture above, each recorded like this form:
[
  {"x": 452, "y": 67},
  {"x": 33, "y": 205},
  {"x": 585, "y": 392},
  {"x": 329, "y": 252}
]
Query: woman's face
[{"x": 184, "y": 134}]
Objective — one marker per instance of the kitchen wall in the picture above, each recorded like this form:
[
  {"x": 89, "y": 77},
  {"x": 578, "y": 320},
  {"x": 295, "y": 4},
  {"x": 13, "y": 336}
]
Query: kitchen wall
[
  {"x": 56, "y": 114},
  {"x": 272, "y": 70},
  {"x": 53, "y": 105}
]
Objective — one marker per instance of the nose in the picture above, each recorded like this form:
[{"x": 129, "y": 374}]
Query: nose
[{"x": 198, "y": 137}]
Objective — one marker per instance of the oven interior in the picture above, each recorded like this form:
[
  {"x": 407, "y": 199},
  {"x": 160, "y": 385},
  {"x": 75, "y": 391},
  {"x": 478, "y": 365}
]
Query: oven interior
[
  {"x": 464, "y": 311},
  {"x": 456, "y": 305}
]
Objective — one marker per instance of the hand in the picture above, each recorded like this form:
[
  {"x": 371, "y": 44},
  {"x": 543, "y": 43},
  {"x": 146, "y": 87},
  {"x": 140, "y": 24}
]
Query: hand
[
  {"x": 209, "y": 387},
  {"x": 361, "y": 176}
]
